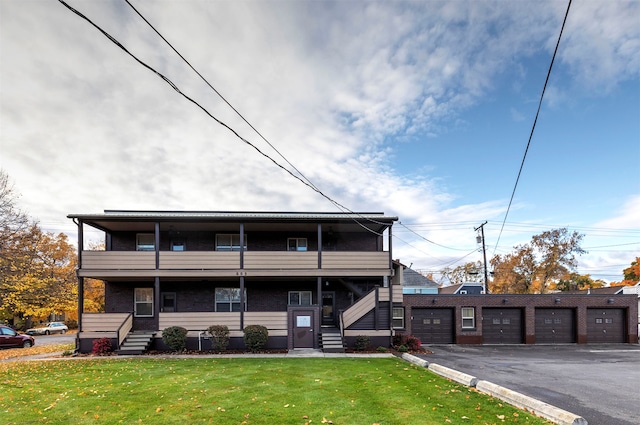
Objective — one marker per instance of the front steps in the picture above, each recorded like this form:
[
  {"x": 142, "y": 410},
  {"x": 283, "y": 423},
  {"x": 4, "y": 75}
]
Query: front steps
[
  {"x": 136, "y": 343},
  {"x": 331, "y": 340}
]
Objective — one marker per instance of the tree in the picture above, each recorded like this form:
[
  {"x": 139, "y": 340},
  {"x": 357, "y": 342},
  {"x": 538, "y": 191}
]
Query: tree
[
  {"x": 469, "y": 272},
  {"x": 37, "y": 269},
  {"x": 533, "y": 267},
  {"x": 94, "y": 288},
  {"x": 631, "y": 274},
  {"x": 576, "y": 282},
  {"x": 41, "y": 275}
]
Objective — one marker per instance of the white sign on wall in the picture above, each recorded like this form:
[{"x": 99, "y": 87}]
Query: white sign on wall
[{"x": 303, "y": 321}]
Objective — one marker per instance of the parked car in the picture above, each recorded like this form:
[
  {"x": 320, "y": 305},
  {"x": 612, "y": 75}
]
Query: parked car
[
  {"x": 49, "y": 328},
  {"x": 10, "y": 338}
]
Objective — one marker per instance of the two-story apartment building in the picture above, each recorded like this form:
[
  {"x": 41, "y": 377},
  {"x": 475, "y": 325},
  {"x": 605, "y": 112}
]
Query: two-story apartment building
[{"x": 298, "y": 274}]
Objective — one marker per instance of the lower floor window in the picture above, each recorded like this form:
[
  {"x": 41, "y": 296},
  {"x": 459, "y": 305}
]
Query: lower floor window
[
  {"x": 143, "y": 302},
  {"x": 398, "y": 318},
  {"x": 228, "y": 299},
  {"x": 299, "y": 297}
]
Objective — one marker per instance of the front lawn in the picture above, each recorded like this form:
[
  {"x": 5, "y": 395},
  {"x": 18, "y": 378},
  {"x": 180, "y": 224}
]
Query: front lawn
[{"x": 221, "y": 391}]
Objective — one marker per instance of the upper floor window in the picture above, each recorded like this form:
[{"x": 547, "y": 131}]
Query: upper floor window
[
  {"x": 229, "y": 242},
  {"x": 178, "y": 245},
  {"x": 297, "y": 244},
  {"x": 145, "y": 242},
  {"x": 300, "y": 297},
  {"x": 468, "y": 317}
]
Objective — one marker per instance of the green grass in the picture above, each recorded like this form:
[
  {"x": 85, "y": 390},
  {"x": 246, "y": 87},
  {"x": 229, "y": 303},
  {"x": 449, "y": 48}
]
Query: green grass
[{"x": 244, "y": 391}]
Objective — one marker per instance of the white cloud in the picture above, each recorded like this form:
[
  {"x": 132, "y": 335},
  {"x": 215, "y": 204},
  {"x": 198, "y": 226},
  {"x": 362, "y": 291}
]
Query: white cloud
[{"x": 330, "y": 84}]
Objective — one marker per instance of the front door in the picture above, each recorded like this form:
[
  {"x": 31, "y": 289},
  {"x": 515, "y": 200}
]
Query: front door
[
  {"x": 303, "y": 335},
  {"x": 328, "y": 307}
]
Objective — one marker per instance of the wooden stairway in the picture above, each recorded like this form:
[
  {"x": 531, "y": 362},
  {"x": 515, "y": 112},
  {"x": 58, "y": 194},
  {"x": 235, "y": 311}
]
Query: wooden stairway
[
  {"x": 331, "y": 340},
  {"x": 136, "y": 343}
]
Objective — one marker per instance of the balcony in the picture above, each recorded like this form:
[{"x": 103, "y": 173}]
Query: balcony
[{"x": 114, "y": 264}]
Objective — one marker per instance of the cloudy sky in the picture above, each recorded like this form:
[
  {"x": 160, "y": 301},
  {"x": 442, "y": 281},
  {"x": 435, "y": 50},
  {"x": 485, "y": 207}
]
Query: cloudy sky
[{"x": 418, "y": 109}]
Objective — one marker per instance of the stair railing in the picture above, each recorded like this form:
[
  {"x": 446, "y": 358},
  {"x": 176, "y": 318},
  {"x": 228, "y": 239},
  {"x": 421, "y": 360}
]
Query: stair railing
[{"x": 125, "y": 328}]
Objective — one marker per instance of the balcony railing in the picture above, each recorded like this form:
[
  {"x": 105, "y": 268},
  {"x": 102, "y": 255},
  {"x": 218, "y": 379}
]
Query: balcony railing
[{"x": 271, "y": 263}]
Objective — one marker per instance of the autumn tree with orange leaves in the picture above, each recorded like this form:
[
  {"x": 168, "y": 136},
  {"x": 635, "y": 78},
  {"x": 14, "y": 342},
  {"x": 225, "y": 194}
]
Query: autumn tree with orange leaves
[
  {"x": 37, "y": 268},
  {"x": 631, "y": 274},
  {"x": 536, "y": 267}
]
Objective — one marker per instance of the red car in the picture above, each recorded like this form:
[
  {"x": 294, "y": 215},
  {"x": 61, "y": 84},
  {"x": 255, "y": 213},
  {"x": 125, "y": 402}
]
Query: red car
[{"x": 11, "y": 339}]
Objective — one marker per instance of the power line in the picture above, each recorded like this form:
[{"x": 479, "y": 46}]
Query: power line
[
  {"x": 534, "y": 121},
  {"x": 220, "y": 95},
  {"x": 302, "y": 179},
  {"x": 430, "y": 241}
]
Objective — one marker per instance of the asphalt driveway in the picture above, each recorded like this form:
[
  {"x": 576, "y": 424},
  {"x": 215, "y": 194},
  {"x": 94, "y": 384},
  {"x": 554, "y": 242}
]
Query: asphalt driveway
[{"x": 601, "y": 383}]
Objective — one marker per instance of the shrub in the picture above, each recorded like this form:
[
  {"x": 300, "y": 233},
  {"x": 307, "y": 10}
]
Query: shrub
[
  {"x": 219, "y": 337},
  {"x": 67, "y": 353},
  {"x": 362, "y": 342},
  {"x": 71, "y": 323},
  {"x": 101, "y": 346},
  {"x": 403, "y": 349},
  {"x": 175, "y": 337},
  {"x": 409, "y": 341},
  {"x": 381, "y": 349},
  {"x": 255, "y": 337},
  {"x": 397, "y": 339},
  {"x": 412, "y": 343}
]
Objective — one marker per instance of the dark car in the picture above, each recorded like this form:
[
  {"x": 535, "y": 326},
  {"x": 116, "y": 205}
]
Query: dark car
[{"x": 10, "y": 338}]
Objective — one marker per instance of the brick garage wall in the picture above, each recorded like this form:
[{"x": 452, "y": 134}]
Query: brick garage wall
[{"x": 528, "y": 304}]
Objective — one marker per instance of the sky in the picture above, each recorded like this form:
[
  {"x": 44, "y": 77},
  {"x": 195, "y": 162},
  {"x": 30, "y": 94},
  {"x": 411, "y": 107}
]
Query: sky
[{"x": 421, "y": 110}]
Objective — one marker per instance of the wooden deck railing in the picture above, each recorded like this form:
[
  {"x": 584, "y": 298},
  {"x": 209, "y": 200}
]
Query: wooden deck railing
[{"x": 331, "y": 261}]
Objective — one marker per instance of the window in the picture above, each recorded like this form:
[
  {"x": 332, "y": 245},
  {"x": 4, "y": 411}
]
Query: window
[
  {"x": 228, "y": 299},
  {"x": 300, "y": 297},
  {"x": 468, "y": 317},
  {"x": 143, "y": 302},
  {"x": 145, "y": 242},
  {"x": 297, "y": 244},
  {"x": 178, "y": 245},
  {"x": 229, "y": 242},
  {"x": 398, "y": 318}
]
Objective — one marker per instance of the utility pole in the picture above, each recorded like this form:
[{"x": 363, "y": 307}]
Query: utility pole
[{"x": 484, "y": 256}]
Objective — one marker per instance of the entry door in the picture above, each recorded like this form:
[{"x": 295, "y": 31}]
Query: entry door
[
  {"x": 328, "y": 307},
  {"x": 303, "y": 329}
]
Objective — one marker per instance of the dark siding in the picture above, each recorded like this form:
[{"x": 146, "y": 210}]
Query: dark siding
[
  {"x": 256, "y": 241},
  {"x": 368, "y": 321}
]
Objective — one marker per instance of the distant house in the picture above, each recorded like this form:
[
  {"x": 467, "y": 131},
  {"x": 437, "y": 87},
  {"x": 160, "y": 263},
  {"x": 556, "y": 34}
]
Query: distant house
[
  {"x": 468, "y": 288},
  {"x": 315, "y": 280},
  {"x": 416, "y": 283}
]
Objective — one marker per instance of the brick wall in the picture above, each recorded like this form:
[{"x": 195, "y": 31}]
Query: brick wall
[{"x": 528, "y": 304}]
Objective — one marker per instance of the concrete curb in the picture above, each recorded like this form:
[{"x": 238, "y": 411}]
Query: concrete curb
[
  {"x": 454, "y": 375},
  {"x": 537, "y": 407},
  {"x": 415, "y": 360}
]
